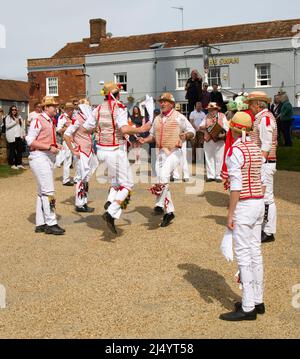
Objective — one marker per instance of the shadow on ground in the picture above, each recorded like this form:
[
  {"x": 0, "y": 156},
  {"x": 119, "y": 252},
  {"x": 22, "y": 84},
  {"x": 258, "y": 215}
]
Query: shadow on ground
[
  {"x": 216, "y": 199},
  {"x": 210, "y": 285}
]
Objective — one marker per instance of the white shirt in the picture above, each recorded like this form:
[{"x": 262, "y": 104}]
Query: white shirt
[
  {"x": 62, "y": 120},
  {"x": 32, "y": 116},
  {"x": 14, "y": 129},
  {"x": 72, "y": 129},
  {"x": 197, "y": 118},
  {"x": 266, "y": 132},
  {"x": 184, "y": 124},
  {"x": 234, "y": 165}
]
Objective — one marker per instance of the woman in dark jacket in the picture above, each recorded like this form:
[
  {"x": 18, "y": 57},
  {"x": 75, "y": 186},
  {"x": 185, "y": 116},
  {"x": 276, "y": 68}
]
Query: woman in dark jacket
[
  {"x": 193, "y": 89},
  {"x": 137, "y": 120}
]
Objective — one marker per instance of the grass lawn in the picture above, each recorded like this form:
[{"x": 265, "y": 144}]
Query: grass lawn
[
  {"x": 6, "y": 171},
  {"x": 288, "y": 158}
]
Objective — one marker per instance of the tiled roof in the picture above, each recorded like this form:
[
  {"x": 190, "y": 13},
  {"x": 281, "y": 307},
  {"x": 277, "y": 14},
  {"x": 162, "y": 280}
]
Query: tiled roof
[
  {"x": 246, "y": 32},
  {"x": 11, "y": 90}
]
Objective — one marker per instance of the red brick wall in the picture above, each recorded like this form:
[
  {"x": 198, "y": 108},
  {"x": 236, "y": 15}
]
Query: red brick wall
[{"x": 71, "y": 84}]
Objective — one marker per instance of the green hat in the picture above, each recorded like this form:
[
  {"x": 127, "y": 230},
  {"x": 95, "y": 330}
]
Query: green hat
[
  {"x": 241, "y": 105},
  {"x": 232, "y": 106}
]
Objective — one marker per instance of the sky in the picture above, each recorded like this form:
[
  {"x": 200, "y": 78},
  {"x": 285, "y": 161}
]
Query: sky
[{"x": 36, "y": 30}]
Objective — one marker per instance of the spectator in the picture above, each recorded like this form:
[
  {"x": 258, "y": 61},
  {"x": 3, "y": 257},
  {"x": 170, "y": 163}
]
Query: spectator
[
  {"x": 286, "y": 119},
  {"x": 276, "y": 109},
  {"x": 1, "y": 119},
  {"x": 217, "y": 97},
  {"x": 15, "y": 135},
  {"x": 205, "y": 97},
  {"x": 137, "y": 120},
  {"x": 196, "y": 118},
  {"x": 193, "y": 89}
]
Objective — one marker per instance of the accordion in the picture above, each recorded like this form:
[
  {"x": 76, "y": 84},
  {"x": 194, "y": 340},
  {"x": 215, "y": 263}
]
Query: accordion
[{"x": 214, "y": 131}]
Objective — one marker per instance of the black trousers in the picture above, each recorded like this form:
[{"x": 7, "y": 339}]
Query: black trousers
[
  {"x": 285, "y": 127},
  {"x": 15, "y": 152}
]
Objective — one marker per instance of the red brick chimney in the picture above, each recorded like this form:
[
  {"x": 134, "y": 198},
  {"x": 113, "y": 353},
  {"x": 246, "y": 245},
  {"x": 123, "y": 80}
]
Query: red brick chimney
[{"x": 97, "y": 30}]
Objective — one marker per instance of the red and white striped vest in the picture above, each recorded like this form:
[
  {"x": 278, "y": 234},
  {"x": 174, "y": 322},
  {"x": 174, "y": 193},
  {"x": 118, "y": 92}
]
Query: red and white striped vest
[
  {"x": 255, "y": 135},
  {"x": 82, "y": 139},
  {"x": 209, "y": 121},
  {"x": 108, "y": 135},
  {"x": 47, "y": 135},
  {"x": 251, "y": 170},
  {"x": 167, "y": 133}
]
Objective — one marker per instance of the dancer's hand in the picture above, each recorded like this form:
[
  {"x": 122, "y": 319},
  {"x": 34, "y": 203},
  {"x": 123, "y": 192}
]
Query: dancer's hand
[
  {"x": 54, "y": 150},
  {"x": 230, "y": 224},
  {"x": 76, "y": 153}
]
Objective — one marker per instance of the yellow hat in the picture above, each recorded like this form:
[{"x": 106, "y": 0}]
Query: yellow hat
[
  {"x": 49, "y": 101},
  {"x": 240, "y": 122},
  {"x": 213, "y": 106},
  {"x": 69, "y": 105},
  {"x": 258, "y": 96},
  {"x": 166, "y": 96},
  {"x": 84, "y": 101},
  {"x": 111, "y": 87}
]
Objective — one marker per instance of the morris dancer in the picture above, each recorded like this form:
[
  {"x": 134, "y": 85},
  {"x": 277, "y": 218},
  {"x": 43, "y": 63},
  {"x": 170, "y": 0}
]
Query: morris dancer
[
  {"x": 245, "y": 216},
  {"x": 41, "y": 140},
  {"x": 214, "y": 145},
  {"x": 81, "y": 145},
  {"x": 111, "y": 118},
  {"x": 265, "y": 136},
  {"x": 170, "y": 129}
]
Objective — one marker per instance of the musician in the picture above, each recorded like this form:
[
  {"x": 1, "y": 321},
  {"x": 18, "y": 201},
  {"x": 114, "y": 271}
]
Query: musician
[
  {"x": 111, "y": 119},
  {"x": 215, "y": 126},
  {"x": 245, "y": 216},
  {"x": 170, "y": 129},
  {"x": 265, "y": 136}
]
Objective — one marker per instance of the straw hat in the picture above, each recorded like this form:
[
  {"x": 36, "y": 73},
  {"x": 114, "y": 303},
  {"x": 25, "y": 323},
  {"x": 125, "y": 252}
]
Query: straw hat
[
  {"x": 49, "y": 101},
  {"x": 258, "y": 96},
  {"x": 240, "y": 122},
  {"x": 212, "y": 106},
  {"x": 69, "y": 105},
  {"x": 111, "y": 87},
  {"x": 166, "y": 96},
  {"x": 84, "y": 101}
]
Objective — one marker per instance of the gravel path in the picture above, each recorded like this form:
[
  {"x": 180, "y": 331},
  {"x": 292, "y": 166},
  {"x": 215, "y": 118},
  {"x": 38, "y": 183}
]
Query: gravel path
[{"x": 146, "y": 283}]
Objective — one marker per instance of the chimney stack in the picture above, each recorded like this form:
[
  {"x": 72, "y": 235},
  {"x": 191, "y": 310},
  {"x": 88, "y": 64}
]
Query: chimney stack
[{"x": 97, "y": 30}]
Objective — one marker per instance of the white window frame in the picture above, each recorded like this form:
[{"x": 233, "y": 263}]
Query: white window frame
[
  {"x": 178, "y": 88},
  {"x": 122, "y": 83},
  {"x": 219, "y": 79},
  {"x": 257, "y": 80},
  {"x": 47, "y": 86}
]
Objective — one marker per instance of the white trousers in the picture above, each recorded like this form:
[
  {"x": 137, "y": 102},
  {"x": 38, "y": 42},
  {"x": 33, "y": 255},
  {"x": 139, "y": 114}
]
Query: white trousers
[
  {"x": 165, "y": 165},
  {"x": 85, "y": 167},
  {"x": 248, "y": 219},
  {"x": 214, "y": 155},
  {"x": 42, "y": 167},
  {"x": 270, "y": 223},
  {"x": 120, "y": 176},
  {"x": 184, "y": 165}
]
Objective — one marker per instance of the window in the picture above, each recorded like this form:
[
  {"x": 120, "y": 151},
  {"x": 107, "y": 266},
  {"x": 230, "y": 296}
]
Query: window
[
  {"x": 122, "y": 80},
  {"x": 52, "y": 86},
  {"x": 182, "y": 75},
  {"x": 263, "y": 75},
  {"x": 184, "y": 108},
  {"x": 214, "y": 76}
]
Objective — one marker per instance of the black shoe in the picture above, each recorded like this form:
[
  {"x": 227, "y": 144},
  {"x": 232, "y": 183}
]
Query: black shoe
[
  {"x": 55, "y": 230},
  {"x": 40, "y": 229},
  {"x": 158, "y": 211},
  {"x": 219, "y": 180},
  {"x": 69, "y": 184},
  {"x": 167, "y": 219},
  {"x": 186, "y": 180},
  {"x": 209, "y": 180},
  {"x": 107, "y": 204},
  {"x": 239, "y": 316},
  {"x": 260, "y": 308},
  {"x": 110, "y": 222},
  {"x": 267, "y": 238},
  {"x": 85, "y": 209}
]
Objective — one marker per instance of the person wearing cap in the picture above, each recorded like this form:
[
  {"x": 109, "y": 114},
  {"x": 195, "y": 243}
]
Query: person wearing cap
[
  {"x": 245, "y": 216},
  {"x": 41, "y": 139},
  {"x": 65, "y": 120},
  {"x": 170, "y": 129},
  {"x": 214, "y": 149},
  {"x": 80, "y": 144},
  {"x": 111, "y": 120},
  {"x": 265, "y": 136}
]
